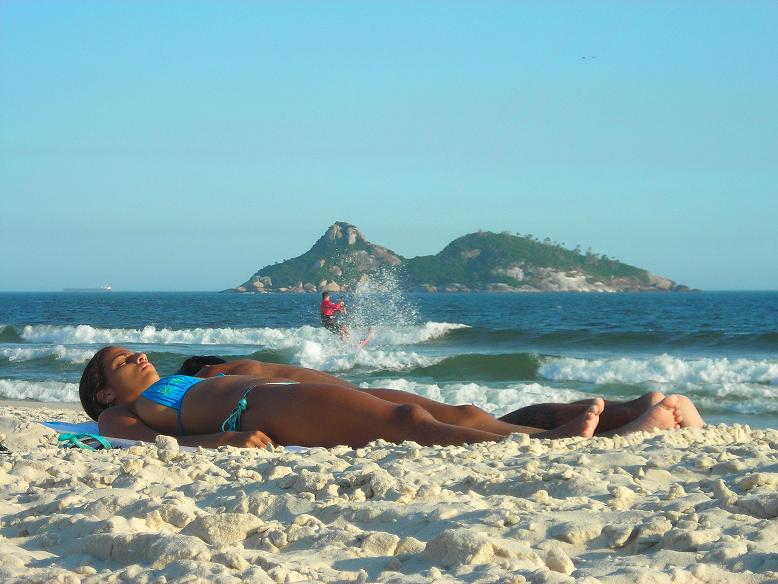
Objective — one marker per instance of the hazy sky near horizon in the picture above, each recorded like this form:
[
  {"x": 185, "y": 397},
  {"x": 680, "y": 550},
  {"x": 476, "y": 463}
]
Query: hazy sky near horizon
[{"x": 184, "y": 145}]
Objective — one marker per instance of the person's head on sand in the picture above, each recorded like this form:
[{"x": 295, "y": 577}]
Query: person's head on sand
[
  {"x": 193, "y": 365},
  {"x": 114, "y": 375}
]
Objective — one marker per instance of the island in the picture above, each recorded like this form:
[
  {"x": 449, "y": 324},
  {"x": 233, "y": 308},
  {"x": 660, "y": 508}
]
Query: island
[{"x": 343, "y": 259}]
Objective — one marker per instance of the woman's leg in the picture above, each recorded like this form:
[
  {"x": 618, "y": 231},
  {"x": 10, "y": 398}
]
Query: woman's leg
[
  {"x": 327, "y": 415},
  {"x": 546, "y": 416},
  {"x": 469, "y": 416}
]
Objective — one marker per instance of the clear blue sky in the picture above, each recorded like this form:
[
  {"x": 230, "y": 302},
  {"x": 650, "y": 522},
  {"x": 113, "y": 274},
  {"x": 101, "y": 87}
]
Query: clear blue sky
[{"x": 183, "y": 145}]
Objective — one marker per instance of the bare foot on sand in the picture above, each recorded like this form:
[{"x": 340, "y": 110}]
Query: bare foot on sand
[
  {"x": 665, "y": 415},
  {"x": 618, "y": 414},
  {"x": 582, "y": 425},
  {"x": 691, "y": 417}
]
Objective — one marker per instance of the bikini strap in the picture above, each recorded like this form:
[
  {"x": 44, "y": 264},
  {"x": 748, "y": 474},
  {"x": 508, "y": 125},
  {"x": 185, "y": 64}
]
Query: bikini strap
[{"x": 232, "y": 423}]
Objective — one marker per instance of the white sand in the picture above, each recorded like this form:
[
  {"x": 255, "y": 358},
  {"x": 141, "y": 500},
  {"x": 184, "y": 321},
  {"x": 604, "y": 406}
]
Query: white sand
[{"x": 683, "y": 506}]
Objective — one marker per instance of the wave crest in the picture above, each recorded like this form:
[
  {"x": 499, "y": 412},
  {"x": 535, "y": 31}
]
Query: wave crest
[
  {"x": 661, "y": 369},
  {"x": 495, "y": 400},
  {"x": 57, "y": 353},
  {"x": 45, "y": 391},
  {"x": 278, "y": 338}
]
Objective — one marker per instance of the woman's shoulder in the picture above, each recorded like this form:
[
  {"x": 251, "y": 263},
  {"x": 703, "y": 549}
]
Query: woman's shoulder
[{"x": 115, "y": 413}]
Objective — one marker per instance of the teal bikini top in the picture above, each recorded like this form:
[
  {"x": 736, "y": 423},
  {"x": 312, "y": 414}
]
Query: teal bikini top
[{"x": 170, "y": 392}]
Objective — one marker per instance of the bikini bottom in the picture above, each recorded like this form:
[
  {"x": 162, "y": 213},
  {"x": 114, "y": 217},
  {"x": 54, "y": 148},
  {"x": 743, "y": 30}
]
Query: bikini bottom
[{"x": 232, "y": 423}]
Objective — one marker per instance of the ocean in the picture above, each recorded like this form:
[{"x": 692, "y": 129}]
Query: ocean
[{"x": 498, "y": 351}]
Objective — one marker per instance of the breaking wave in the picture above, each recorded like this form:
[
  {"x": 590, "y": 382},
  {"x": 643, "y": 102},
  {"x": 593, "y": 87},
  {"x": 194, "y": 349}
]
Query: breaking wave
[
  {"x": 47, "y": 353},
  {"x": 661, "y": 369},
  {"x": 44, "y": 391},
  {"x": 516, "y": 366},
  {"x": 495, "y": 400},
  {"x": 264, "y": 336}
]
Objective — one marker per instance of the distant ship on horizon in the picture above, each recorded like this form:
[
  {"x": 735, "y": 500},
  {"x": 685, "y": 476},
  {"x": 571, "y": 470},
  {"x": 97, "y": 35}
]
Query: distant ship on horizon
[{"x": 103, "y": 288}]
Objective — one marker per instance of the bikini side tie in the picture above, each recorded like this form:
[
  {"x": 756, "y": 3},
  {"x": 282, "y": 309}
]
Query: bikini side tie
[{"x": 232, "y": 423}]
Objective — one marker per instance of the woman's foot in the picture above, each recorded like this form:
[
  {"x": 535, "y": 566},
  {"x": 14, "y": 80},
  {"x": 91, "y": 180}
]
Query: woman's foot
[
  {"x": 691, "y": 417},
  {"x": 582, "y": 425},
  {"x": 664, "y": 415},
  {"x": 618, "y": 414}
]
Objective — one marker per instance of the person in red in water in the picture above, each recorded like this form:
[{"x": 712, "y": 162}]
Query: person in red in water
[{"x": 329, "y": 315}]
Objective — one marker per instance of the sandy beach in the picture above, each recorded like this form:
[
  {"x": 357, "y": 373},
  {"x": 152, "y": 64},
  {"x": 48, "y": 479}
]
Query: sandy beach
[{"x": 679, "y": 506}]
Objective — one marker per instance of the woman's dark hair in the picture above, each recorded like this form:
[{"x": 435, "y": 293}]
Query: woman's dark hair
[
  {"x": 194, "y": 364},
  {"x": 92, "y": 380}
]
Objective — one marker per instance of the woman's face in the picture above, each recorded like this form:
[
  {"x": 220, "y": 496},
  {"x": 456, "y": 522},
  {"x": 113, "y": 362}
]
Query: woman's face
[{"x": 127, "y": 375}]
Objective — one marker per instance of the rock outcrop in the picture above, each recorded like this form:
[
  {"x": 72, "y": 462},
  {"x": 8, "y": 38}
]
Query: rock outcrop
[{"x": 338, "y": 261}]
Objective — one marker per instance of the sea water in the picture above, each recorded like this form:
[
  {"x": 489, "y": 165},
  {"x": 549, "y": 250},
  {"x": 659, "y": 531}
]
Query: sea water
[{"x": 499, "y": 351}]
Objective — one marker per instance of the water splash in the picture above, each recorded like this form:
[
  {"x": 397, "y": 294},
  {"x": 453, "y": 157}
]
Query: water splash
[{"x": 379, "y": 302}]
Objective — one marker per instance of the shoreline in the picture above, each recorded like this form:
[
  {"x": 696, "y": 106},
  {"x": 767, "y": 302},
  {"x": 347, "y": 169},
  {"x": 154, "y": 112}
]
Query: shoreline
[
  {"x": 680, "y": 506},
  {"x": 32, "y": 404}
]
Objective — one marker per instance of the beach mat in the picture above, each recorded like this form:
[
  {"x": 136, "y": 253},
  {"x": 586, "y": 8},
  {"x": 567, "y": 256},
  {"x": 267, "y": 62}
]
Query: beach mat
[{"x": 92, "y": 428}]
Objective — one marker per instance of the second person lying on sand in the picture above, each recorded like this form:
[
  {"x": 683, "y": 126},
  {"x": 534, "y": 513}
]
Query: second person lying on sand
[{"x": 544, "y": 416}]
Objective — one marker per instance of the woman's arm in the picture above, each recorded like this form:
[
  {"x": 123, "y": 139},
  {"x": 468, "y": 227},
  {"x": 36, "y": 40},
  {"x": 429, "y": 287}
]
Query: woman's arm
[
  {"x": 121, "y": 422},
  {"x": 261, "y": 369}
]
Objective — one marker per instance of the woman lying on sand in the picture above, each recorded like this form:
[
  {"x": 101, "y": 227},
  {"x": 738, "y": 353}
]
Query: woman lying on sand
[{"x": 123, "y": 392}]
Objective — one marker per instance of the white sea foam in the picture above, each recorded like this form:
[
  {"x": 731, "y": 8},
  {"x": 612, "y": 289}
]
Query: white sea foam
[
  {"x": 312, "y": 347},
  {"x": 45, "y": 391},
  {"x": 60, "y": 352},
  {"x": 741, "y": 398},
  {"x": 495, "y": 400},
  {"x": 661, "y": 369},
  {"x": 411, "y": 335},
  {"x": 339, "y": 357},
  {"x": 380, "y": 301},
  {"x": 86, "y": 334},
  {"x": 274, "y": 338}
]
